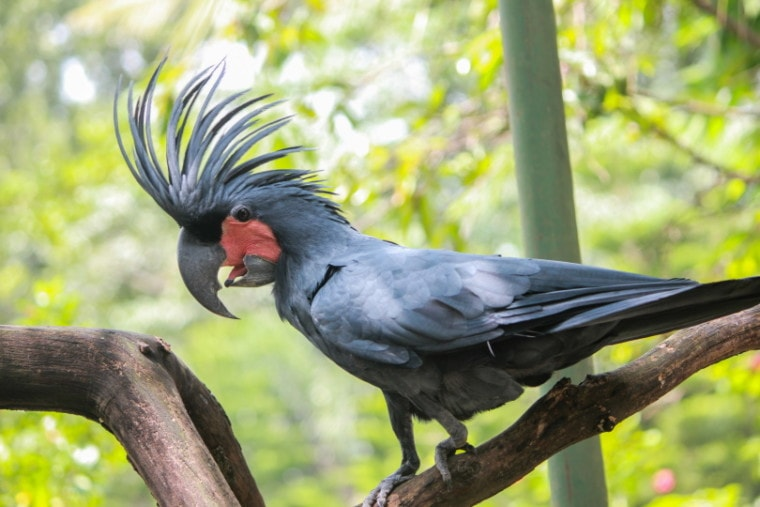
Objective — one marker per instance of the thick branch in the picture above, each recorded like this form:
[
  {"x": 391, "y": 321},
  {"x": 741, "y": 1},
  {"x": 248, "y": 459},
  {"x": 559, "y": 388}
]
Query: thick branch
[
  {"x": 180, "y": 441},
  {"x": 570, "y": 413},
  {"x": 176, "y": 434}
]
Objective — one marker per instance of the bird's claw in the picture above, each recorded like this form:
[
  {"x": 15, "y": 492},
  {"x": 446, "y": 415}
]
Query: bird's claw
[
  {"x": 378, "y": 497},
  {"x": 443, "y": 453}
]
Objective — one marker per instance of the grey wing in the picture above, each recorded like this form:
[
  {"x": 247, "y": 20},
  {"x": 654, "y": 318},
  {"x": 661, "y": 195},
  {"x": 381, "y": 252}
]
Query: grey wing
[{"x": 390, "y": 305}]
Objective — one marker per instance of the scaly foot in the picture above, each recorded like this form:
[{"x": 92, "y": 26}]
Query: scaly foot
[
  {"x": 443, "y": 452},
  {"x": 379, "y": 496}
]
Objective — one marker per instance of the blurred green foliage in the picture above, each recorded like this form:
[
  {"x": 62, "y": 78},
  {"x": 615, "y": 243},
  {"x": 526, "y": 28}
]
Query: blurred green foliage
[{"x": 406, "y": 104}]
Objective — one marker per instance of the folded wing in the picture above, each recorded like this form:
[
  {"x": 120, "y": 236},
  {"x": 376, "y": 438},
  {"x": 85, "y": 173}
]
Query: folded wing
[{"x": 392, "y": 304}]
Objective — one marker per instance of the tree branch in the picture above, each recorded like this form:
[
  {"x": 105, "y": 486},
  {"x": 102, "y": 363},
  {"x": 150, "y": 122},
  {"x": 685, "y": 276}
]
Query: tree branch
[
  {"x": 571, "y": 413},
  {"x": 176, "y": 434},
  {"x": 180, "y": 441},
  {"x": 740, "y": 28}
]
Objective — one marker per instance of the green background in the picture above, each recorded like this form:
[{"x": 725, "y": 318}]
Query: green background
[{"x": 406, "y": 106}]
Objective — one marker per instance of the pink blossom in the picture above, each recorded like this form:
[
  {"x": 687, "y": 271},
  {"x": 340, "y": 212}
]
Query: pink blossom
[
  {"x": 664, "y": 481},
  {"x": 754, "y": 362}
]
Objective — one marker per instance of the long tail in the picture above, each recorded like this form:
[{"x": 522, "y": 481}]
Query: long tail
[{"x": 662, "y": 312}]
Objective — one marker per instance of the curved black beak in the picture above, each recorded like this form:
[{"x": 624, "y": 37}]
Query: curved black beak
[{"x": 199, "y": 265}]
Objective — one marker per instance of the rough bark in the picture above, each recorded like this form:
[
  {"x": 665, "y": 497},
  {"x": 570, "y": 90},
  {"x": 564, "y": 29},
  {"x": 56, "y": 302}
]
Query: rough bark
[
  {"x": 176, "y": 434},
  {"x": 570, "y": 413}
]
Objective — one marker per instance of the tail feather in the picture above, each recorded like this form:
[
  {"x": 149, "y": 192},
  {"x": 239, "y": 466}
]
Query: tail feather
[{"x": 653, "y": 314}]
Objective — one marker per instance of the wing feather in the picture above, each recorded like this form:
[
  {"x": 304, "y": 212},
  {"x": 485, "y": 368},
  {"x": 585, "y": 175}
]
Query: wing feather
[{"x": 391, "y": 304}]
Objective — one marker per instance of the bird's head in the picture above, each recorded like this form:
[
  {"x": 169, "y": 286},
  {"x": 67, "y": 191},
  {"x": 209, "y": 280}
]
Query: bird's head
[{"x": 228, "y": 213}]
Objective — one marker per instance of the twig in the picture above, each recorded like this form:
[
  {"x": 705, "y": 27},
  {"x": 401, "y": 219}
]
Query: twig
[{"x": 738, "y": 27}]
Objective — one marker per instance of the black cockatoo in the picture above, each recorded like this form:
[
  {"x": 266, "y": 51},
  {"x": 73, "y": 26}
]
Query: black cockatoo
[{"x": 443, "y": 334}]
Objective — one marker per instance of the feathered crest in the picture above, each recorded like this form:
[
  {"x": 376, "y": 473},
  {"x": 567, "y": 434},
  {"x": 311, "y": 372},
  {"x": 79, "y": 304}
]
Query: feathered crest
[{"x": 204, "y": 160}]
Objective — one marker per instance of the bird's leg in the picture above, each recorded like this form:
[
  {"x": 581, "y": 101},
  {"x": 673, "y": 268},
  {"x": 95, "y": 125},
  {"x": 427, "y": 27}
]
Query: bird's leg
[
  {"x": 457, "y": 438},
  {"x": 401, "y": 422}
]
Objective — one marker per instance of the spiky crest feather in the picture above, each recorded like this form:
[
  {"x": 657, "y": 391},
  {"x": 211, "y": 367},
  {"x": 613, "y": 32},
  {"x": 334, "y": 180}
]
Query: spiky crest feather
[{"x": 205, "y": 169}]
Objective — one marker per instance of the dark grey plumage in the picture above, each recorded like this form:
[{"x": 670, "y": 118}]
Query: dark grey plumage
[
  {"x": 206, "y": 148},
  {"x": 444, "y": 335}
]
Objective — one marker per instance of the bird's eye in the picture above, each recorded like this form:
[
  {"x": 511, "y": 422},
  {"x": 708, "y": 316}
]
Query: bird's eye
[{"x": 241, "y": 213}]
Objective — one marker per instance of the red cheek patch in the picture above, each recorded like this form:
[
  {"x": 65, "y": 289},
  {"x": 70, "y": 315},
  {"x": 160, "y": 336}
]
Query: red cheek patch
[{"x": 247, "y": 238}]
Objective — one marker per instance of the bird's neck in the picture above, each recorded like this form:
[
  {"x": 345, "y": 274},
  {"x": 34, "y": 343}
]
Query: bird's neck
[
  {"x": 305, "y": 259},
  {"x": 314, "y": 243}
]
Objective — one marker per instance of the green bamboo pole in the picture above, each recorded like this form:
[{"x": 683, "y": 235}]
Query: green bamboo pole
[{"x": 544, "y": 181}]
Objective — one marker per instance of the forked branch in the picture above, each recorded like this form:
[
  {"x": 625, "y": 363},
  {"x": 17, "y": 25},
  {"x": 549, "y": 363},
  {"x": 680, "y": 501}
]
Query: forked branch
[
  {"x": 176, "y": 434},
  {"x": 180, "y": 441}
]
